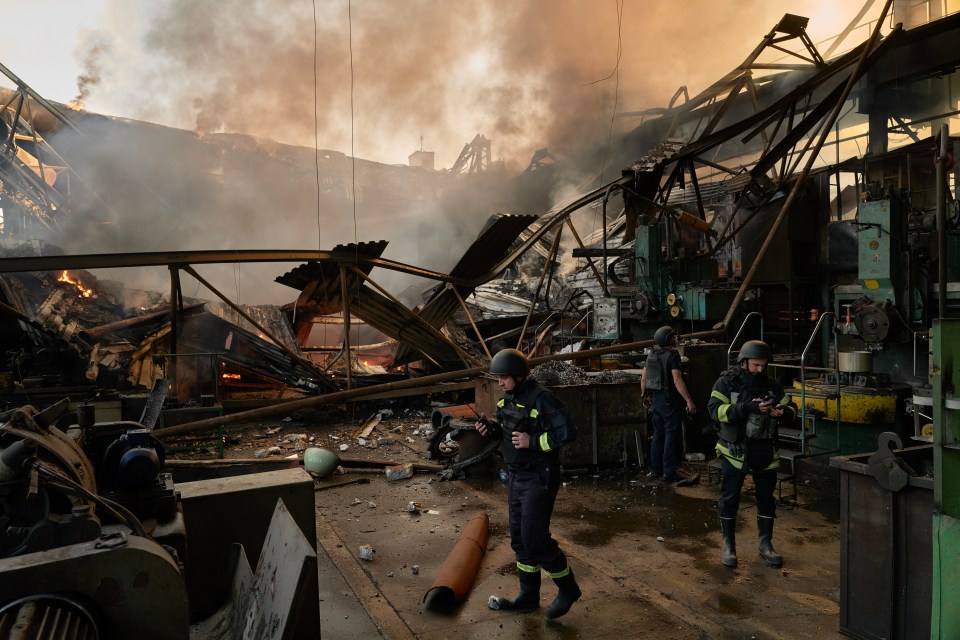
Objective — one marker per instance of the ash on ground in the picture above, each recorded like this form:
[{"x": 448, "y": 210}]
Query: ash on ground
[{"x": 556, "y": 372}]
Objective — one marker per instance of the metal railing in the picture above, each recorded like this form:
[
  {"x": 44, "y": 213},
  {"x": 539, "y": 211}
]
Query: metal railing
[
  {"x": 573, "y": 328},
  {"x": 740, "y": 331},
  {"x": 803, "y": 385}
]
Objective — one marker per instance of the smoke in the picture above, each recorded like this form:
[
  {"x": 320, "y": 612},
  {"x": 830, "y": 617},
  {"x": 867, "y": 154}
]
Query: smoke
[
  {"x": 525, "y": 74},
  {"x": 368, "y": 79},
  {"x": 92, "y": 49}
]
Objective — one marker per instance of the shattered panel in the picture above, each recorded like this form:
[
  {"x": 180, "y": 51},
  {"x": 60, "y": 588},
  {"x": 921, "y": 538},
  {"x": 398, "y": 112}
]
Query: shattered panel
[
  {"x": 404, "y": 325},
  {"x": 207, "y": 333},
  {"x": 479, "y": 258},
  {"x": 320, "y": 283},
  {"x": 322, "y": 294}
]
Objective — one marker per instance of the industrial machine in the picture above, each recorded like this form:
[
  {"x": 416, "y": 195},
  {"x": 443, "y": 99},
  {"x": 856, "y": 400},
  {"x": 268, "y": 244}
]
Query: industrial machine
[{"x": 93, "y": 542}]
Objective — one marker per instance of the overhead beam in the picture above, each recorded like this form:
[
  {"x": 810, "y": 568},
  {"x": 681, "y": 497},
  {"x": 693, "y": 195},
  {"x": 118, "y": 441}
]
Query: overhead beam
[{"x": 168, "y": 258}]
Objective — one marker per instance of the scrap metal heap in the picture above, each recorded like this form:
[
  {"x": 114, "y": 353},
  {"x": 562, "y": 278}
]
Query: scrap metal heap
[{"x": 73, "y": 334}]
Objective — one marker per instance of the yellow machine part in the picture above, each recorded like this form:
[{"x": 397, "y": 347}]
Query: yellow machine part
[{"x": 858, "y": 405}]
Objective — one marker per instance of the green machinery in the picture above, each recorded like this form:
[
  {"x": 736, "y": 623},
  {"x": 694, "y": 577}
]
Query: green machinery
[
  {"x": 678, "y": 287},
  {"x": 944, "y": 375}
]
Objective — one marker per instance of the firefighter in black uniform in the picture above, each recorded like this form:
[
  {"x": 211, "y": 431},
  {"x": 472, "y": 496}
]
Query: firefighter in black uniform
[
  {"x": 532, "y": 424},
  {"x": 747, "y": 406}
]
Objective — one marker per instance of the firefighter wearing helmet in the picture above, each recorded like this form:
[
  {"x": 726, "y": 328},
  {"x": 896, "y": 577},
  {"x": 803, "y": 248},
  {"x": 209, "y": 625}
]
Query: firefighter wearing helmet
[
  {"x": 667, "y": 397},
  {"x": 532, "y": 424},
  {"x": 747, "y": 407}
]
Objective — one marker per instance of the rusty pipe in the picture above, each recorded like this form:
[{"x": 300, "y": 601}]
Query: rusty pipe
[
  {"x": 456, "y": 575},
  {"x": 409, "y": 383}
]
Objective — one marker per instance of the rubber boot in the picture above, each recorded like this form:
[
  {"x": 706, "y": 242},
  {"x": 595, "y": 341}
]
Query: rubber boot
[
  {"x": 765, "y": 527},
  {"x": 527, "y": 600},
  {"x": 728, "y": 556},
  {"x": 568, "y": 594}
]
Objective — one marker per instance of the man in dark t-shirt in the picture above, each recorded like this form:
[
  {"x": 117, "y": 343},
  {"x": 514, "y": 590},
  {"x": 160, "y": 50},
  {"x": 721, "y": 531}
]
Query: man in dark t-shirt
[{"x": 666, "y": 396}]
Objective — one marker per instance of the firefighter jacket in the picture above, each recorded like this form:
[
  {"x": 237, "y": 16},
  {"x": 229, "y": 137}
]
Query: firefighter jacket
[
  {"x": 532, "y": 409},
  {"x": 741, "y": 426}
]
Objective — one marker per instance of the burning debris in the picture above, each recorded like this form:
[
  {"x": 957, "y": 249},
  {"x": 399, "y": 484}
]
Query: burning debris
[
  {"x": 82, "y": 291},
  {"x": 68, "y": 329}
]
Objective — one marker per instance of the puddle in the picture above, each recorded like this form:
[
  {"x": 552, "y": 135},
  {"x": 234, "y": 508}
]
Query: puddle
[{"x": 608, "y": 507}]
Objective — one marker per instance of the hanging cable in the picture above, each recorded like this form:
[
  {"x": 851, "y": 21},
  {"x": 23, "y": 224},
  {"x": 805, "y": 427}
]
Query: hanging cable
[
  {"x": 353, "y": 158},
  {"x": 616, "y": 92},
  {"x": 316, "y": 134},
  {"x": 353, "y": 185}
]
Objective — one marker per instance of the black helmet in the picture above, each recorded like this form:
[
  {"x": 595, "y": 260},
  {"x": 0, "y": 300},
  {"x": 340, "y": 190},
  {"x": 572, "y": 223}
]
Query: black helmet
[
  {"x": 755, "y": 350},
  {"x": 509, "y": 362},
  {"x": 664, "y": 335}
]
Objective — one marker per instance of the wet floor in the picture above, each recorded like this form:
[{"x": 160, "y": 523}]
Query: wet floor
[{"x": 646, "y": 556}]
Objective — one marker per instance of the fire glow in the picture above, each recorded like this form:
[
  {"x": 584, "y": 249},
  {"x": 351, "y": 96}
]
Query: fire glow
[
  {"x": 231, "y": 376},
  {"x": 82, "y": 291}
]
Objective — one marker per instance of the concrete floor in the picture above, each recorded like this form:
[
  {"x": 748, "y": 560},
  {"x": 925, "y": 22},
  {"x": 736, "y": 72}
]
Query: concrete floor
[{"x": 646, "y": 556}]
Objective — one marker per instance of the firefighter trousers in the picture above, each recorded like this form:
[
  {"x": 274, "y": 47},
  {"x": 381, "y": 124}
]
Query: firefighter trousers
[
  {"x": 531, "y": 495},
  {"x": 764, "y": 483}
]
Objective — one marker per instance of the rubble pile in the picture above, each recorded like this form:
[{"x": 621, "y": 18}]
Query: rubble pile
[
  {"x": 556, "y": 372},
  {"x": 610, "y": 377}
]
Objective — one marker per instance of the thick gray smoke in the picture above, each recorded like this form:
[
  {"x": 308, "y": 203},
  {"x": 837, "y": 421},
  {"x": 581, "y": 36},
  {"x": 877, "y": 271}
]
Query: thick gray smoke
[
  {"x": 528, "y": 74},
  {"x": 522, "y": 73}
]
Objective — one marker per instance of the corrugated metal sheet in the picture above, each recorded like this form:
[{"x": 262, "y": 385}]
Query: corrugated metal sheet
[
  {"x": 480, "y": 257},
  {"x": 320, "y": 281},
  {"x": 405, "y": 326},
  {"x": 322, "y": 289},
  {"x": 270, "y": 317}
]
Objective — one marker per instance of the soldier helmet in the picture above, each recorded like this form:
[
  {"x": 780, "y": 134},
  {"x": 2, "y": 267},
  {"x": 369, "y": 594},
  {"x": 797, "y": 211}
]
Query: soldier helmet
[
  {"x": 664, "y": 335},
  {"x": 509, "y": 362},
  {"x": 755, "y": 350}
]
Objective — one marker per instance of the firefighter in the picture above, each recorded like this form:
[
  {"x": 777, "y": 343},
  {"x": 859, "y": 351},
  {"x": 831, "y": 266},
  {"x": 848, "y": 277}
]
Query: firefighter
[
  {"x": 532, "y": 424},
  {"x": 746, "y": 407},
  {"x": 666, "y": 396}
]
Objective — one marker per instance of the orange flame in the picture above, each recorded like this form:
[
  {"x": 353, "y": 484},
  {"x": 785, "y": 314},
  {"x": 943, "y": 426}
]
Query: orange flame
[
  {"x": 75, "y": 104},
  {"x": 82, "y": 291},
  {"x": 231, "y": 376}
]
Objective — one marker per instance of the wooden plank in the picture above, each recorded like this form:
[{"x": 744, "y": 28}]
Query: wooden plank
[{"x": 347, "y": 461}]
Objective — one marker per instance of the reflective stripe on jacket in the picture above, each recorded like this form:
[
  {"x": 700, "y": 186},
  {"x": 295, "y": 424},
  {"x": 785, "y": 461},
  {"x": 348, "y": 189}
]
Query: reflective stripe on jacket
[{"x": 534, "y": 410}]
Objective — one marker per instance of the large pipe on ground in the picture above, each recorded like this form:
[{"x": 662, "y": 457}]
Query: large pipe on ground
[{"x": 456, "y": 575}]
